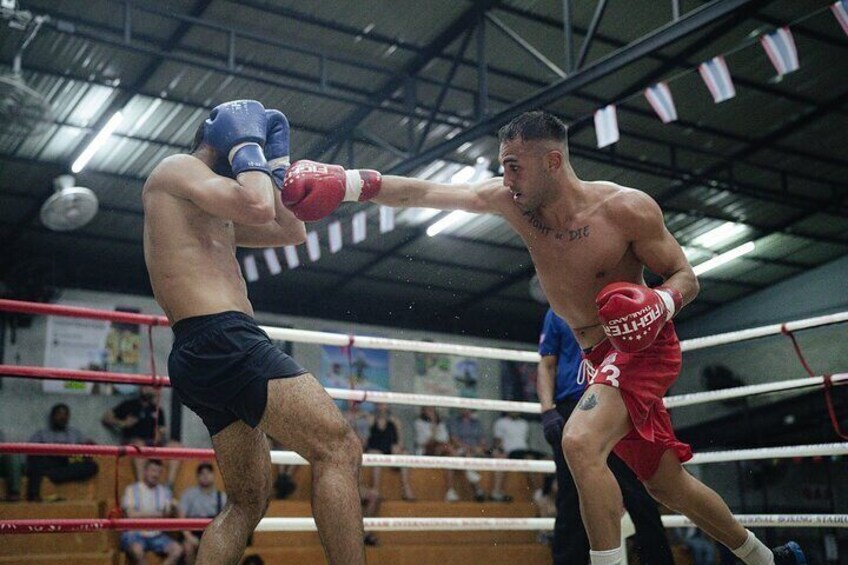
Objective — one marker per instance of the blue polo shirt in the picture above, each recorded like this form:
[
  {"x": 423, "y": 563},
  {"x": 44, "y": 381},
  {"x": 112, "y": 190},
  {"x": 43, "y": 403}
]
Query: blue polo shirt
[{"x": 557, "y": 339}]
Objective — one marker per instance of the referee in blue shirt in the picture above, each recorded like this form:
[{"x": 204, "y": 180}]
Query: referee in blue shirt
[{"x": 559, "y": 390}]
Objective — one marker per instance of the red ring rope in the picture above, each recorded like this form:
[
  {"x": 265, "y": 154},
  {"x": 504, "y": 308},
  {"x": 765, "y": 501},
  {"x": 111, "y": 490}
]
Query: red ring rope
[
  {"x": 71, "y": 449},
  {"x": 78, "y": 312}
]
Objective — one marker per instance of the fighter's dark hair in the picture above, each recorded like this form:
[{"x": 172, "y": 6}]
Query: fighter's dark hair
[
  {"x": 535, "y": 125},
  {"x": 198, "y": 137}
]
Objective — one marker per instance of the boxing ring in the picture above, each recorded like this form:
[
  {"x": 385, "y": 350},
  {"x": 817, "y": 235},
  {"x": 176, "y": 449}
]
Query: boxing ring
[{"x": 271, "y": 524}]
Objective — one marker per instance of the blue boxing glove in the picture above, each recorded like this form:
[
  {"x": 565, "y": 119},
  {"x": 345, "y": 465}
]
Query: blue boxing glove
[
  {"x": 552, "y": 425},
  {"x": 277, "y": 146},
  {"x": 236, "y": 131}
]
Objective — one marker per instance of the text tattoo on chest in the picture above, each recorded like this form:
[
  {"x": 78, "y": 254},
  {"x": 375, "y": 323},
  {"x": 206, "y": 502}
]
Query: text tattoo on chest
[{"x": 568, "y": 235}]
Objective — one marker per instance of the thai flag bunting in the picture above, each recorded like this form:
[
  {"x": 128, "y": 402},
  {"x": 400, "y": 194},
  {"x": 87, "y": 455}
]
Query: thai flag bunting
[
  {"x": 273, "y": 261},
  {"x": 717, "y": 78},
  {"x": 840, "y": 10},
  {"x": 251, "y": 273},
  {"x": 334, "y": 231},
  {"x": 387, "y": 219},
  {"x": 659, "y": 97},
  {"x": 606, "y": 126},
  {"x": 780, "y": 48},
  {"x": 292, "y": 260},
  {"x": 359, "y": 226},
  {"x": 313, "y": 248}
]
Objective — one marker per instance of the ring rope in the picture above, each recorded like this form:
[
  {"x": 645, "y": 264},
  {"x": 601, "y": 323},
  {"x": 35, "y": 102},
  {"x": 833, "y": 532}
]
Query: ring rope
[
  {"x": 688, "y": 399},
  {"x": 412, "y": 461},
  {"x": 304, "y": 524},
  {"x": 370, "y": 342}
]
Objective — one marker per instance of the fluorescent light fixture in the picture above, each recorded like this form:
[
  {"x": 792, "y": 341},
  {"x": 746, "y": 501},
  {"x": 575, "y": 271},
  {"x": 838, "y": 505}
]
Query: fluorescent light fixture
[
  {"x": 719, "y": 235},
  {"x": 251, "y": 272},
  {"x": 463, "y": 175},
  {"x": 727, "y": 257},
  {"x": 99, "y": 140},
  {"x": 452, "y": 219}
]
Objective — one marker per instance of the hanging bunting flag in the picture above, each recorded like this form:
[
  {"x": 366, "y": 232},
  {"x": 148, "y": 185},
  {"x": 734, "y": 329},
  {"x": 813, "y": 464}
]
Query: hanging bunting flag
[
  {"x": 840, "y": 10},
  {"x": 334, "y": 231},
  {"x": 716, "y": 75},
  {"x": 313, "y": 247},
  {"x": 251, "y": 273},
  {"x": 359, "y": 226},
  {"x": 273, "y": 261},
  {"x": 387, "y": 219},
  {"x": 780, "y": 48},
  {"x": 606, "y": 126},
  {"x": 659, "y": 97},
  {"x": 292, "y": 260}
]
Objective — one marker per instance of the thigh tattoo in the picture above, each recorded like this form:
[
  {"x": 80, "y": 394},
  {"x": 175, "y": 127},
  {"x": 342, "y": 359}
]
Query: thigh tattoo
[{"x": 588, "y": 402}]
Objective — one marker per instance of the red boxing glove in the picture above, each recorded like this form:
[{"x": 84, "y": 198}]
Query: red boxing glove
[
  {"x": 633, "y": 315},
  {"x": 313, "y": 190}
]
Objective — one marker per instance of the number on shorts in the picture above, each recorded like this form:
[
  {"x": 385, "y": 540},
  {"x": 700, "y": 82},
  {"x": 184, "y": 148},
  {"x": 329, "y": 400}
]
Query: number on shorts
[{"x": 612, "y": 373}]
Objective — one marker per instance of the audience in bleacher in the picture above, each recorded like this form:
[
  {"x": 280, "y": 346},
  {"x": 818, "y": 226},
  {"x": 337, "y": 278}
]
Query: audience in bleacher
[
  {"x": 432, "y": 438},
  {"x": 384, "y": 436},
  {"x": 469, "y": 440},
  {"x": 10, "y": 471},
  {"x": 58, "y": 468},
  {"x": 511, "y": 438},
  {"x": 136, "y": 421},
  {"x": 148, "y": 498},
  {"x": 203, "y": 500}
]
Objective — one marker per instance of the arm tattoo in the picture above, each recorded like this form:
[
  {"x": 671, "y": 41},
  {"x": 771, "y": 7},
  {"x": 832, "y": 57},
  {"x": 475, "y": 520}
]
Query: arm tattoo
[{"x": 588, "y": 402}]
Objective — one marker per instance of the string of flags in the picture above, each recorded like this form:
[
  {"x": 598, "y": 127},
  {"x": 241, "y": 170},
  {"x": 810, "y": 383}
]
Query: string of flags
[
  {"x": 779, "y": 47},
  {"x": 335, "y": 242}
]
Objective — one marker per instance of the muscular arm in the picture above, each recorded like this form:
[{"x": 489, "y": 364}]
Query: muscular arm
[
  {"x": 249, "y": 200},
  {"x": 284, "y": 229},
  {"x": 546, "y": 381},
  {"x": 656, "y": 248},
  {"x": 408, "y": 192}
]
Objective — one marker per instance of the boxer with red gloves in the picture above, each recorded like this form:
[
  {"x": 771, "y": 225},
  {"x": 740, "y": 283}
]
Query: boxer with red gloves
[
  {"x": 198, "y": 208},
  {"x": 590, "y": 242},
  {"x": 633, "y": 315}
]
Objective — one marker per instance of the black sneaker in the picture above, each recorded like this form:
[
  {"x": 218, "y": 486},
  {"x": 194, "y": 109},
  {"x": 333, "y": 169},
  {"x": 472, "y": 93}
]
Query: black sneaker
[{"x": 789, "y": 554}]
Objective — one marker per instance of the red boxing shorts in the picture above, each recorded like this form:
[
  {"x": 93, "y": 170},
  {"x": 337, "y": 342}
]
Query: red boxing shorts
[{"x": 642, "y": 378}]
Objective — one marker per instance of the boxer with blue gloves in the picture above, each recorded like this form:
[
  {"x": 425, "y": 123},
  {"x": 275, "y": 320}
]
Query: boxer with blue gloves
[{"x": 198, "y": 208}]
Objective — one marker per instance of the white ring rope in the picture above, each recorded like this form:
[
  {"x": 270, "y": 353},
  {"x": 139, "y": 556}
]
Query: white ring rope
[
  {"x": 545, "y": 466},
  {"x": 490, "y": 524},
  {"x": 748, "y": 390},
  {"x": 369, "y": 342},
  {"x": 676, "y": 401},
  {"x": 433, "y": 400}
]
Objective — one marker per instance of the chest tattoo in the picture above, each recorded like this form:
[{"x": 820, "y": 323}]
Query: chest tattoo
[{"x": 544, "y": 229}]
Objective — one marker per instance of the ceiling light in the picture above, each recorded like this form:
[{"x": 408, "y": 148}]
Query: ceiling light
[
  {"x": 452, "y": 219},
  {"x": 463, "y": 175},
  {"x": 727, "y": 257},
  {"x": 99, "y": 140},
  {"x": 719, "y": 235}
]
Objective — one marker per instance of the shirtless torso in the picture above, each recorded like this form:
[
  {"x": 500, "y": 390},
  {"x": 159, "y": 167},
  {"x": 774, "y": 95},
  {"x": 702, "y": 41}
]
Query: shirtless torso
[{"x": 190, "y": 242}]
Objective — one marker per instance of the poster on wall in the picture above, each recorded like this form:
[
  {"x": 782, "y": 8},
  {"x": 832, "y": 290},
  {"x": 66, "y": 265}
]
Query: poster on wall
[
  {"x": 518, "y": 381},
  {"x": 75, "y": 343},
  {"x": 361, "y": 369},
  {"x": 123, "y": 345},
  {"x": 446, "y": 375}
]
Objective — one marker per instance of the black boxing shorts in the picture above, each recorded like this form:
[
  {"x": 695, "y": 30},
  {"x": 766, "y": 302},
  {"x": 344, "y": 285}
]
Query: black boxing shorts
[{"x": 220, "y": 365}]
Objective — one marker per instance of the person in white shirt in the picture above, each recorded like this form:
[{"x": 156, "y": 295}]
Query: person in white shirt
[
  {"x": 432, "y": 438},
  {"x": 149, "y": 499},
  {"x": 511, "y": 433}
]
